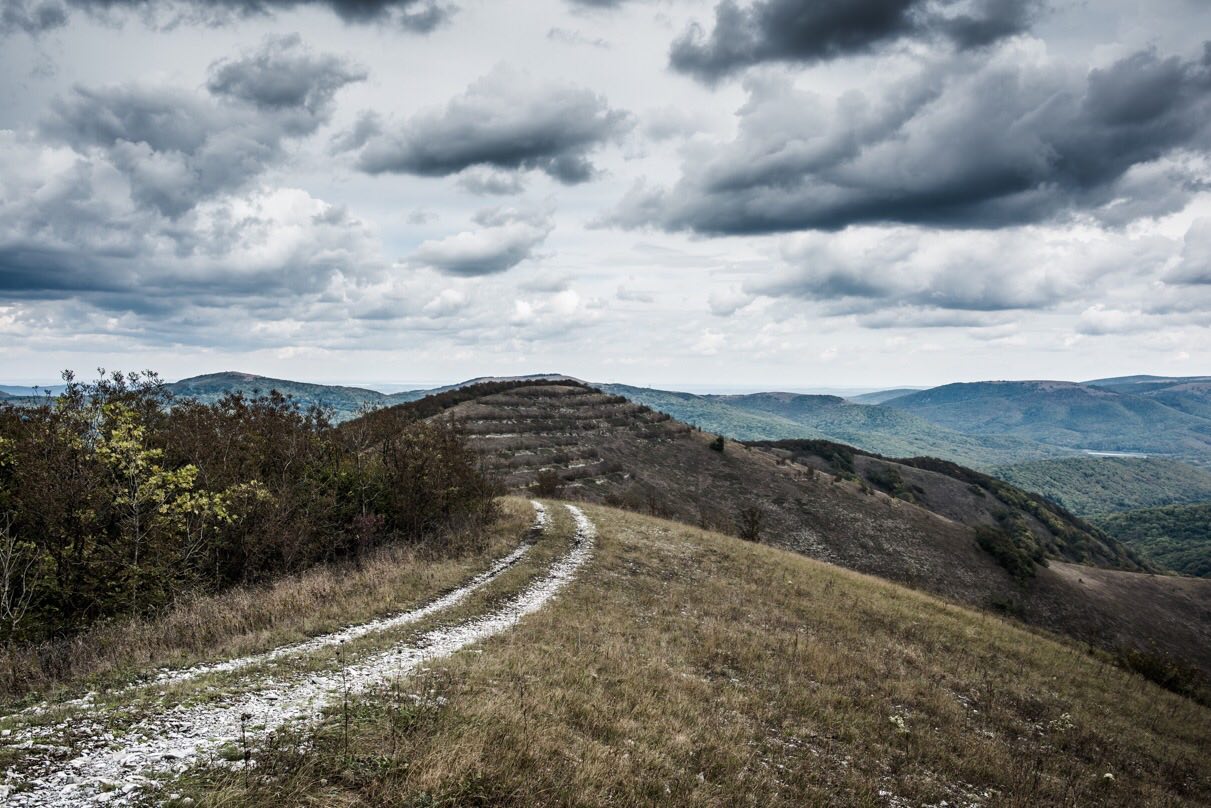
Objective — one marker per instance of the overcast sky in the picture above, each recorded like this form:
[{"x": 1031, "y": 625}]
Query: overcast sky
[{"x": 774, "y": 193}]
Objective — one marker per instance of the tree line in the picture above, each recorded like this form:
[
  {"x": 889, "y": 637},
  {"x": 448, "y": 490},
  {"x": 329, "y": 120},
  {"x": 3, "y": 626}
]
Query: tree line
[{"x": 115, "y": 499}]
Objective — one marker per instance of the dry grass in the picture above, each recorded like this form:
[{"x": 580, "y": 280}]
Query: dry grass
[
  {"x": 689, "y": 668},
  {"x": 251, "y": 619}
]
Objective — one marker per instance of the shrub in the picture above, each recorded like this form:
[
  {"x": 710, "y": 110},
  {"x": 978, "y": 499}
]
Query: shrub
[
  {"x": 115, "y": 500},
  {"x": 717, "y": 444},
  {"x": 548, "y": 484},
  {"x": 750, "y": 520}
]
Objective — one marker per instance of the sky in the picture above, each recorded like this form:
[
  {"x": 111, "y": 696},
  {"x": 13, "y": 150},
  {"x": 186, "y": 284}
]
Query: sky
[{"x": 735, "y": 194}]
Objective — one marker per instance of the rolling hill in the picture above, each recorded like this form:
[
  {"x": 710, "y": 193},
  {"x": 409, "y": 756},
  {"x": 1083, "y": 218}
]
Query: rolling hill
[
  {"x": 1176, "y": 536},
  {"x": 877, "y": 428},
  {"x": 1065, "y": 414},
  {"x": 882, "y": 396},
  {"x": 1090, "y": 485},
  {"x": 1013, "y": 553}
]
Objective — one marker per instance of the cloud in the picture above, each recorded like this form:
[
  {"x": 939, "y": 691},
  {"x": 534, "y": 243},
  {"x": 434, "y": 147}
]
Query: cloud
[
  {"x": 503, "y": 121},
  {"x": 284, "y": 75},
  {"x": 726, "y": 302},
  {"x": 38, "y": 16},
  {"x": 895, "y": 276},
  {"x": 446, "y": 303},
  {"x": 1009, "y": 140},
  {"x": 794, "y": 31},
  {"x": 148, "y": 202},
  {"x": 1194, "y": 267},
  {"x": 628, "y": 295},
  {"x": 176, "y": 147},
  {"x": 491, "y": 182},
  {"x": 68, "y": 230},
  {"x": 502, "y": 241},
  {"x": 570, "y": 37}
]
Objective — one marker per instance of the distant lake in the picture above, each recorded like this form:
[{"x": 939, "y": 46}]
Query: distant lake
[{"x": 1114, "y": 454}]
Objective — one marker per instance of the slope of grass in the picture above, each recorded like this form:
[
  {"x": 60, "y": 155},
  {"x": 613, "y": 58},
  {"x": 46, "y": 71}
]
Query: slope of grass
[
  {"x": 1178, "y": 537},
  {"x": 687, "y": 668},
  {"x": 1097, "y": 485}
]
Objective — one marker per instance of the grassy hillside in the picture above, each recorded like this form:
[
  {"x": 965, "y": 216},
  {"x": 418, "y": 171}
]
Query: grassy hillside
[
  {"x": 687, "y": 668},
  {"x": 1037, "y": 527},
  {"x": 1177, "y": 536},
  {"x": 880, "y": 429},
  {"x": 571, "y": 440},
  {"x": 1062, "y": 414},
  {"x": 1097, "y": 485}
]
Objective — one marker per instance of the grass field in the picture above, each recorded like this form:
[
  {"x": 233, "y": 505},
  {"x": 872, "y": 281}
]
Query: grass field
[{"x": 685, "y": 667}]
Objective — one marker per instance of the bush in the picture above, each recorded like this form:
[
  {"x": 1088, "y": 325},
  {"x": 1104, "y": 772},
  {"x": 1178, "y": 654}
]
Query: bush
[
  {"x": 717, "y": 444},
  {"x": 548, "y": 484},
  {"x": 1016, "y": 554},
  {"x": 115, "y": 500},
  {"x": 750, "y": 520}
]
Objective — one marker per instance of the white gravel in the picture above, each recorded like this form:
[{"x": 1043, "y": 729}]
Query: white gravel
[
  {"x": 166, "y": 676},
  {"x": 109, "y": 770}
]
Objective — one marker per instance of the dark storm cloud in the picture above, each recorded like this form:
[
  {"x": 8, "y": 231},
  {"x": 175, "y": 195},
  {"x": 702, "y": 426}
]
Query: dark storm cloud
[
  {"x": 177, "y": 147},
  {"x": 503, "y": 121},
  {"x": 999, "y": 144},
  {"x": 804, "y": 32},
  {"x": 37, "y": 16}
]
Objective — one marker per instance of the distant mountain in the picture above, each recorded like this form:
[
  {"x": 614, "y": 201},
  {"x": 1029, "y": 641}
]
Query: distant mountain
[
  {"x": 344, "y": 402},
  {"x": 882, "y": 396},
  {"x": 26, "y": 391},
  {"x": 874, "y": 428},
  {"x": 1178, "y": 537},
  {"x": 1089, "y": 485},
  {"x": 1065, "y": 414},
  {"x": 1143, "y": 383}
]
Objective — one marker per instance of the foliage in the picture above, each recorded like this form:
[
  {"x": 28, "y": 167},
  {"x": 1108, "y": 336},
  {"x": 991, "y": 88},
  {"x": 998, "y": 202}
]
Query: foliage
[
  {"x": 717, "y": 444},
  {"x": 548, "y": 484},
  {"x": 115, "y": 500},
  {"x": 1012, "y": 549},
  {"x": 750, "y": 520},
  {"x": 1177, "y": 537},
  {"x": 1097, "y": 485}
]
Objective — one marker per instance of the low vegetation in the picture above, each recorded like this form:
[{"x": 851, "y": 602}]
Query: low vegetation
[{"x": 688, "y": 668}]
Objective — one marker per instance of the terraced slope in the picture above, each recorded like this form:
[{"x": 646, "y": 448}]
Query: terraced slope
[{"x": 602, "y": 448}]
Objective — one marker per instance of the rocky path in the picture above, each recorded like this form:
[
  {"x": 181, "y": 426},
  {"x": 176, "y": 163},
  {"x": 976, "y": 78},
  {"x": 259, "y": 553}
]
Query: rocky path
[{"x": 101, "y": 767}]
